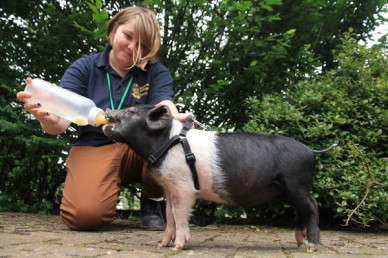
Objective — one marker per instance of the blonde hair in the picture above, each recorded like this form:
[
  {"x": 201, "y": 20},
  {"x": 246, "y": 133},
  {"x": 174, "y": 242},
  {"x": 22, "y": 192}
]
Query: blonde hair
[{"x": 147, "y": 28}]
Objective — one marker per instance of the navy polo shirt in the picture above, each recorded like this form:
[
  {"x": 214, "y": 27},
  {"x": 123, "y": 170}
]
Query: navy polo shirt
[{"x": 87, "y": 77}]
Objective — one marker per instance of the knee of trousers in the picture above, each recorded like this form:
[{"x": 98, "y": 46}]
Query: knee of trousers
[{"x": 86, "y": 218}]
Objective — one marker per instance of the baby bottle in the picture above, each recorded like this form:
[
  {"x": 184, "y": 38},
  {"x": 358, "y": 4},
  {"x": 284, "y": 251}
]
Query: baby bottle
[{"x": 64, "y": 103}]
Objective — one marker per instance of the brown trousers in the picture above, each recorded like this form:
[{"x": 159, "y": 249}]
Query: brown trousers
[{"x": 93, "y": 182}]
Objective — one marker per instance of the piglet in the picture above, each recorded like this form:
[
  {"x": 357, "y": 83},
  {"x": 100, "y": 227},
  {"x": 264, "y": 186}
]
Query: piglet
[{"x": 237, "y": 168}]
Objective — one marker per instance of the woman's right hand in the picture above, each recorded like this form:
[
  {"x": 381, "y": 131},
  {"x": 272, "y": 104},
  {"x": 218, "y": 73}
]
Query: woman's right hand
[
  {"x": 35, "y": 109},
  {"x": 50, "y": 123}
]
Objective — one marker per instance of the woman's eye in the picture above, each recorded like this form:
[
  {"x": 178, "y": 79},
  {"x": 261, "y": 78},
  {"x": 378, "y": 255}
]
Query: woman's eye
[{"x": 128, "y": 36}]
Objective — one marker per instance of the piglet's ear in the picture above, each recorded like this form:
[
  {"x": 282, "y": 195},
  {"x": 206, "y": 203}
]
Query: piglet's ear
[{"x": 159, "y": 118}]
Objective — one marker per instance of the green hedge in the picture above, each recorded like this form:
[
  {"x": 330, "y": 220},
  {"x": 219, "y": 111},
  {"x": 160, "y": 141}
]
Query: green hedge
[{"x": 345, "y": 106}]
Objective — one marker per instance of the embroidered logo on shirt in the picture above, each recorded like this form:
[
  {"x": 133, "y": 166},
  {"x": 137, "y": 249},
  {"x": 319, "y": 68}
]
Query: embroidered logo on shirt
[{"x": 139, "y": 91}]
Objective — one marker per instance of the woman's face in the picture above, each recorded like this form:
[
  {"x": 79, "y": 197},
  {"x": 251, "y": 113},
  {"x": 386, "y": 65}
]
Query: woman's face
[{"x": 124, "y": 44}]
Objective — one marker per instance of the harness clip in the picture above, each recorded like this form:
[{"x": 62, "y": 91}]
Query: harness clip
[
  {"x": 190, "y": 158},
  {"x": 151, "y": 161}
]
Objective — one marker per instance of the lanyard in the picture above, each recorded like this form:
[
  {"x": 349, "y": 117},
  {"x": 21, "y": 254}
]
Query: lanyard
[{"x": 124, "y": 95}]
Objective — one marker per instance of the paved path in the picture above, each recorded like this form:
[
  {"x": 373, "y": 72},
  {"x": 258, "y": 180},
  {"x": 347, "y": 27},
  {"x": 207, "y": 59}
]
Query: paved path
[{"x": 27, "y": 235}]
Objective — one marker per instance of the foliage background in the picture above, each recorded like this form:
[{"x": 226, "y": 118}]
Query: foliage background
[
  {"x": 347, "y": 105},
  {"x": 272, "y": 66}
]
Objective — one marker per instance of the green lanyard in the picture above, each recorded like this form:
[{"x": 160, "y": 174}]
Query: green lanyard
[{"x": 124, "y": 95}]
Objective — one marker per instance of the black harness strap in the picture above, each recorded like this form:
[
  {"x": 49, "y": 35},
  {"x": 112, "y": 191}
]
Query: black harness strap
[
  {"x": 152, "y": 159},
  {"x": 189, "y": 155},
  {"x": 190, "y": 159}
]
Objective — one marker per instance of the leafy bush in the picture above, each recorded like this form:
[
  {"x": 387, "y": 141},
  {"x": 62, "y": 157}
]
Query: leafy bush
[
  {"x": 32, "y": 162},
  {"x": 348, "y": 106}
]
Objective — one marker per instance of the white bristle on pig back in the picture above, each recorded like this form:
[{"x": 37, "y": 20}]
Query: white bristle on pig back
[{"x": 203, "y": 146}]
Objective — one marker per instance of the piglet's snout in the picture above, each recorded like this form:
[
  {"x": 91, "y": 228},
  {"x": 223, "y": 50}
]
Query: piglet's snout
[
  {"x": 108, "y": 114},
  {"x": 111, "y": 115}
]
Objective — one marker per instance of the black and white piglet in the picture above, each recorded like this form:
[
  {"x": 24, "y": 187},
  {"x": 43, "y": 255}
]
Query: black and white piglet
[{"x": 239, "y": 168}]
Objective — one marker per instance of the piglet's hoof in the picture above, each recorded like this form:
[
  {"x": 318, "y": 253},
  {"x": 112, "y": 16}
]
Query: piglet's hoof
[
  {"x": 164, "y": 245},
  {"x": 311, "y": 248},
  {"x": 177, "y": 248}
]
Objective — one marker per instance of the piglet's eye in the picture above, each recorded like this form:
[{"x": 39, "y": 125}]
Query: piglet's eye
[{"x": 132, "y": 111}]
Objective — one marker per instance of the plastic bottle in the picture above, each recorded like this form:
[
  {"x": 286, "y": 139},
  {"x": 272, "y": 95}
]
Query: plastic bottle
[{"x": 64, "y": 103}]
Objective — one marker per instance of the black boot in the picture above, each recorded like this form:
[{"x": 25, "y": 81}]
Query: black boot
[{"x": 152, "y": 214}]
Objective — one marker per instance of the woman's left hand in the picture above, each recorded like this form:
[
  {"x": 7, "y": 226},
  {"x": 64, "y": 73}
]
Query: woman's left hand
[{"x": 174, "y": 111}]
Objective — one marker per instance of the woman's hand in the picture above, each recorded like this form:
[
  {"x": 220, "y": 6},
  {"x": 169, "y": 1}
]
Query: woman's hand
[
  {"x": 174, "y": 111},
  {"x": 35, "y": 109},
  {"x": 50, "y": 123},
  {"x": 181, "y": 117}
]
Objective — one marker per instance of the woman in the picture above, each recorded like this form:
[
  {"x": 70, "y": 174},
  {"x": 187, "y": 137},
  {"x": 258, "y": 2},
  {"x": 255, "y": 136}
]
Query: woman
[{"x": 126, "y": 73}]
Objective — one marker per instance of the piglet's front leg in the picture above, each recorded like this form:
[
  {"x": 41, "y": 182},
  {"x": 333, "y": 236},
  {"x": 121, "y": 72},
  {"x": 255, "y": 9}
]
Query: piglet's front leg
[
  {"x": 300, "y": 236},
  {"x": 182, "y": 236},
  {"x": 180, "y": 198},
  {"x": 182, "y": 203},
  {"x": 169, "y": 234}
]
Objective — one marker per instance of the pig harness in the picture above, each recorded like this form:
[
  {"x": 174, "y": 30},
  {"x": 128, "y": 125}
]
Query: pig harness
[{"x": 190, "y": 157}]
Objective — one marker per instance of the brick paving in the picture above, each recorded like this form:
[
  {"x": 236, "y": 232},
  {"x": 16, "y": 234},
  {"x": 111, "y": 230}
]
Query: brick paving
[{"x": 31, "y": 235}]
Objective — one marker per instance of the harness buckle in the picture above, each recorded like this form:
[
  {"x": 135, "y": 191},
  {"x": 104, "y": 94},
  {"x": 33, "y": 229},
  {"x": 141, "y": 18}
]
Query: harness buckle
[
  {"x": 151, "y": 161},
  {"x": 190, "y": 158}
]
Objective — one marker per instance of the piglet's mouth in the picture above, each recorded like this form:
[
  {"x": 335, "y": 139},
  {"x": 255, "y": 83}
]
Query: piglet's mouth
[
  {"x": 112, "y": 120},
  {"x": 110, "y": 126},
  {"x": 112, "y": 116},
  {"x": 108, "y": 130}
]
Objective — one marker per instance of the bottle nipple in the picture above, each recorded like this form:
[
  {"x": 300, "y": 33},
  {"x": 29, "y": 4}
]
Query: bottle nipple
[{"x": 100, "y": 119}]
